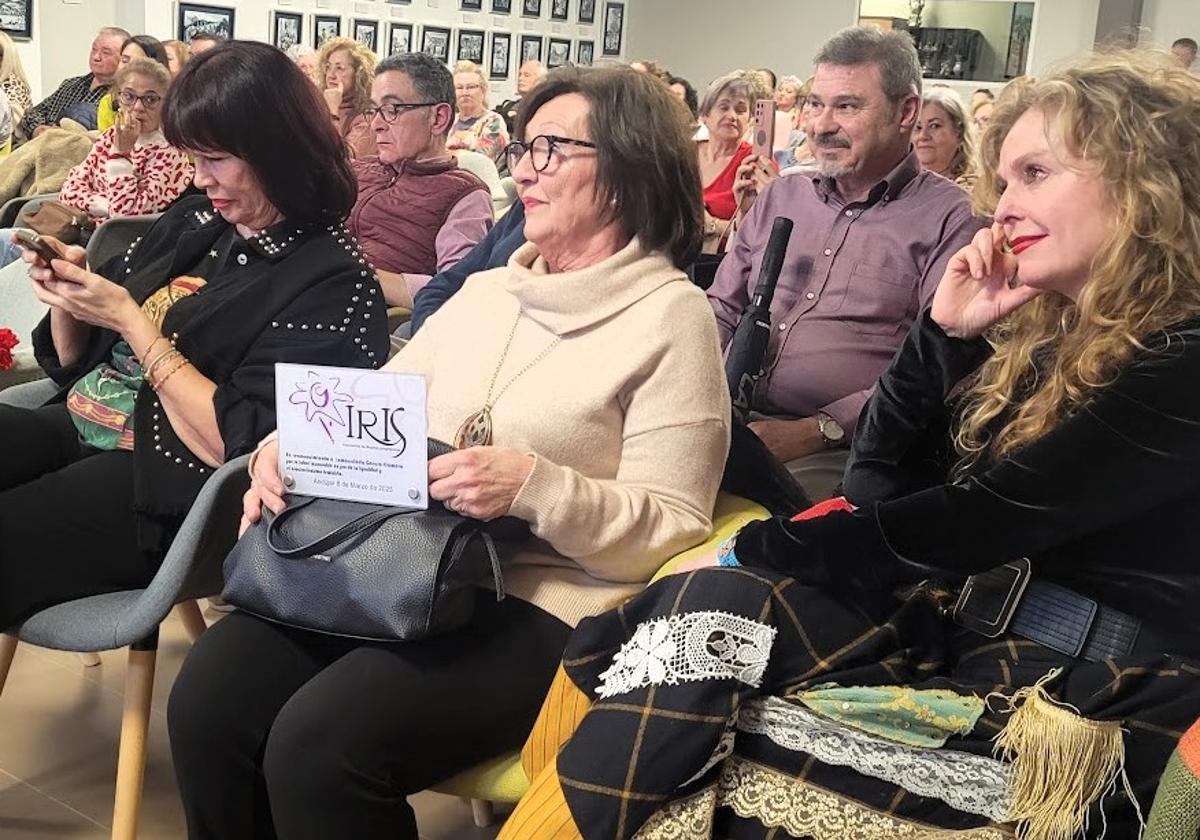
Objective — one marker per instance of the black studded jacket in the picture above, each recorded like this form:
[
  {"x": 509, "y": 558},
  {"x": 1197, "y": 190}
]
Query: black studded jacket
[{"x": 294, "y": 293}]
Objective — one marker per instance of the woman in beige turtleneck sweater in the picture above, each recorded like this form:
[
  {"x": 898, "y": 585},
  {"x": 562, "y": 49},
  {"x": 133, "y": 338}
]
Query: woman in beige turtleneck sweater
[{"x": 582, "y": 384}]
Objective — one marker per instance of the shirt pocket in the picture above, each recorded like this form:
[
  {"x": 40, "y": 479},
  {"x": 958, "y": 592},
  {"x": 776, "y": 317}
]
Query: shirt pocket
[{"x": 879, "y": 300}]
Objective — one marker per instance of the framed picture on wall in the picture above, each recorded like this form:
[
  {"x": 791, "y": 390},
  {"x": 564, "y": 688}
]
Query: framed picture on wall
[
  {"x": 501, "y": 7},
  {"x": 470, "y": 46},
  {"x": 585, "y": 51},
  {"x": 587, "y": 11},
  {"x": 558, "y": 54},
  {"x": 531, "y": 8},
  {"x": 400, "y": 38},
  {"x": 194, "y": 18},
  {"x": 560, "y": 9},
  {"x": 531, "y": 48},
  {"x": 326, "y": 27},
  {"x": 499, "y": 57},
  {"x": 614, "y": 27},
  {"x": 366, "y": 32},
  {"x": 287, "y": 29},
  {"x": 16, "y": 18},
  {"x": 435, "y": 41}
]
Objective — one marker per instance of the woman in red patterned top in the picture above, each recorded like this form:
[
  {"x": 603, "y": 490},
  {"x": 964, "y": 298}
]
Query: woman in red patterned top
[{"x": 132, "y": 170}]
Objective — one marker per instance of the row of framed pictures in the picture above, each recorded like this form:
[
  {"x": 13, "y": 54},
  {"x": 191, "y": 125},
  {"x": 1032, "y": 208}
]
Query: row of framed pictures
[{"x": 287, "y": 30}]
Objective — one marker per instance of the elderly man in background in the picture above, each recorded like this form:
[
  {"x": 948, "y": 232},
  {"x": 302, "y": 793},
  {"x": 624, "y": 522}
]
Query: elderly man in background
[
  {"x": 873, "y": 234},
  {"x": 417, "y": 213},
  {"x": 531, "y": 72},
  {"x": 103, "y": 61},
  {"x": 1184, "y": 51}
]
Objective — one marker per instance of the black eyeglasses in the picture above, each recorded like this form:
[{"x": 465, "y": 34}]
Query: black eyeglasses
[
  {"x": 127, "y": 98},
  {"x": 540, "y": 149},
  {"x": 391, "y": 113}
]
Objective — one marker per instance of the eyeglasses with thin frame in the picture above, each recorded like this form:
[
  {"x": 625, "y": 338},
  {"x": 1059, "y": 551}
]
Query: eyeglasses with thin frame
[
  {"x": 540, "y": 149},
  {"x": 468, "y": 86},
  {"x": 392, "y": 111},
  {"x": 128, "y": 98}
]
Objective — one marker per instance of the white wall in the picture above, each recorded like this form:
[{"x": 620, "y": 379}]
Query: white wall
[
  {"x": 703, "y": 39},
  {"x": 1165, "y": 20},
  {"x": 253, "y": 21},
  {"x": 62, "y": 34}
]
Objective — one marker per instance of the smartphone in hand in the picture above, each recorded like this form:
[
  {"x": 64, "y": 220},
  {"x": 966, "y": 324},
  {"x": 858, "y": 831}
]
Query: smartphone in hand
[
  {"x": 764, "y": 128},
  {"x": 33, "y": 241}
]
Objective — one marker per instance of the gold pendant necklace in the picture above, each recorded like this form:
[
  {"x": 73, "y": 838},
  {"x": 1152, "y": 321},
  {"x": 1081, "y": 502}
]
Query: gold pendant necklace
[{"x": 476, "y": 430}]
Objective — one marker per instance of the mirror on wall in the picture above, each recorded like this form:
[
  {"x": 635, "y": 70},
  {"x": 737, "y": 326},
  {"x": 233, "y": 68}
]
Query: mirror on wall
[{"x": 976, "y": 40}]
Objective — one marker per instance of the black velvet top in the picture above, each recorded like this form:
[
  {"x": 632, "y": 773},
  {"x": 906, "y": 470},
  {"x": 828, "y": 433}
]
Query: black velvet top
[{"x": 1107, "y": 504}]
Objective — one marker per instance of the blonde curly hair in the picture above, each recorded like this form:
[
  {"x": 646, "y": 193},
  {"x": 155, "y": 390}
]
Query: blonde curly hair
[
  {"x": 364, "y": 62},
  {"x": 1134, "y": 116}
]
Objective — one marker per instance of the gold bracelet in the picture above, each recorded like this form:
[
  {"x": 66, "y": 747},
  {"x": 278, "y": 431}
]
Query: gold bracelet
[
  {"x": 159, "y": 360},
  {"x": 163, "y": 379},
  {"x": 143, "y": 356},
  {"x": 149, "y": 365}
]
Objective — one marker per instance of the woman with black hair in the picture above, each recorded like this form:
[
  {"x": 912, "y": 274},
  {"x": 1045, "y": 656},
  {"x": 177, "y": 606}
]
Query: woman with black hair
[{"x": 165, "y": 354}]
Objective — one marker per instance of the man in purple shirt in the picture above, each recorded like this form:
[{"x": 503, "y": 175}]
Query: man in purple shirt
[{"x": 873, "y": 234}]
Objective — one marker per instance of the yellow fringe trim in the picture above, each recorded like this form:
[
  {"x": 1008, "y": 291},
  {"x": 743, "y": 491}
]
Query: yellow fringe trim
[{"x": 1062, "y": 762}]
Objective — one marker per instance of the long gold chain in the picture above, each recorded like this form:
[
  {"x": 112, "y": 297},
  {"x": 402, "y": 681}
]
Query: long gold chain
[{"x": 489, "y": 401}]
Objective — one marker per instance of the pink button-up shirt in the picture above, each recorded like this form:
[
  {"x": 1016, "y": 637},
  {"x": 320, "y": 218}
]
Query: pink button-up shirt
[{"x": 854, "y": 279}]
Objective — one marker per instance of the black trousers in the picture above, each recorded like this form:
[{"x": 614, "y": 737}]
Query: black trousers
[
  {"x": 279, "y": 732},
  {"x": 67, "y": 527}
]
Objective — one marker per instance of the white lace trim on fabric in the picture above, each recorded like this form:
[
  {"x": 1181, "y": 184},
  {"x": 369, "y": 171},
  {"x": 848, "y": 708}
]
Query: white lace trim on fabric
[
  {"x": 688, "y": 648},
  {"x": 971, "y": 783}
]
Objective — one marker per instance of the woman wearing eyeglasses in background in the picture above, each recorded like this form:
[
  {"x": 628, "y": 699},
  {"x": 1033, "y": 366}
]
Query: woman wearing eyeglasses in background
[
  {"x": 131, "y": 170},
  {"x": 582, "y": 384},
  {"x": 476, "y": 128},
  {"x": 138, "y": 46},
  {"x": 417, "y": 213}
]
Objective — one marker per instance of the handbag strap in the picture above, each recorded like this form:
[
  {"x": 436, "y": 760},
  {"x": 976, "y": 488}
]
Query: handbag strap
[
  {"x": 337, "y": 536},
  {"x": 460, "y": 546}
]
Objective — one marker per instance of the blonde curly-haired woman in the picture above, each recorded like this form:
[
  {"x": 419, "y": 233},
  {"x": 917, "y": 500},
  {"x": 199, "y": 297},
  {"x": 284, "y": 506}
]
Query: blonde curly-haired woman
[
  {"x": 346, "y": 69},
  {"x": 999, "y": 628}
]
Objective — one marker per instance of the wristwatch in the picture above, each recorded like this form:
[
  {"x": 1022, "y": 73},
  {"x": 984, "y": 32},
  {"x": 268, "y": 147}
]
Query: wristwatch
[{"x": 831, "y": 430}]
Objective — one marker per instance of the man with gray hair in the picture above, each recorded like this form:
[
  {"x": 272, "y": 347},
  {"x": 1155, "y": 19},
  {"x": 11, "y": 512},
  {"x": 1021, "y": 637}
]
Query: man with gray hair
[
  {"x": 873, "y": 235},
  {"x": 103, "y": 61},
  {"x": 530, "y": 73},
  {"x": 417, "y": 213}
]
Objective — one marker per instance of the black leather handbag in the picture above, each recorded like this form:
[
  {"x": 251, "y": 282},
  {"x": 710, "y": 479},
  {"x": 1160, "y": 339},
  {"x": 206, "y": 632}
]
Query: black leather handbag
[{"x": 367, "y": 571}]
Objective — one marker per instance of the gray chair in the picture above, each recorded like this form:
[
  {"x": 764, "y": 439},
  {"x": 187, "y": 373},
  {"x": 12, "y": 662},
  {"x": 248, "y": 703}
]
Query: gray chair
[
  {"x": 115, "y": 235},
  {"x": 191, "y": 569},
  {"x": 29, "y": 394}
]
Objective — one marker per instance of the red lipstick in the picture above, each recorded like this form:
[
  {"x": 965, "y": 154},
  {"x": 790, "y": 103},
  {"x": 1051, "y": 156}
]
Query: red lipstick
[{"x": 1021, "y": 243}]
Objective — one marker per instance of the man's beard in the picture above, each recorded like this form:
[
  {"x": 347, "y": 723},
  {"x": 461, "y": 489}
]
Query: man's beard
[{"x": 827, "y": 167}]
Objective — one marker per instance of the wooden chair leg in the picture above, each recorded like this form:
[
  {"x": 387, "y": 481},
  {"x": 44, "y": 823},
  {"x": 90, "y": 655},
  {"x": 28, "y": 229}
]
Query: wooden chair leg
[
  {"x": 8, "y": 649},
  {"x": 483, "y": 813},
  {"x": 135, "y": 723},
  {"x": 89, "y": 659},
  {"x": 193, "y": 620}
]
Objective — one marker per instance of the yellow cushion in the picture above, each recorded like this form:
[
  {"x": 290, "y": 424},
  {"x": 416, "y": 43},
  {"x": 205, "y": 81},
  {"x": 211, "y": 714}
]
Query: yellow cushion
[
  {"x": 498, "y": 780},
  {"x": 502, "y": 779},
  {"x": 730, "y": 514}
]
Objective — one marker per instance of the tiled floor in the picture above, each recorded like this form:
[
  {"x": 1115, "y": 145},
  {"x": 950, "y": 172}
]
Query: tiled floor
[{"x": 59, "y": 725}]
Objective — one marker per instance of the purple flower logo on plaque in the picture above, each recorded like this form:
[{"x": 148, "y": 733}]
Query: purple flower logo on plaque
[{"x": 322, "y": 401}]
